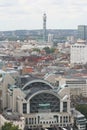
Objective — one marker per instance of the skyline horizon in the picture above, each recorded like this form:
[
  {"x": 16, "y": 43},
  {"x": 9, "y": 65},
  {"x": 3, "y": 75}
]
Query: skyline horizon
[{"x": 40, "y": 29}]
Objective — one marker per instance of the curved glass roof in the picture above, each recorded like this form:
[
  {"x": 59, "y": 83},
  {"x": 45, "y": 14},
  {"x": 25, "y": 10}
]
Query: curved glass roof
[
  {"x": 35, "y": 92},
  {"x": 37, "y": 83},
  {"x": 36, "y": 86}
]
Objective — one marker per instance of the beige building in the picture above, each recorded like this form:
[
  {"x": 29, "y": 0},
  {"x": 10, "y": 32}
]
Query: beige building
[
  {"x": 7, "y": 79},
  {"x": 41, "y": 104},
  {"x": 77, "y": 86}
]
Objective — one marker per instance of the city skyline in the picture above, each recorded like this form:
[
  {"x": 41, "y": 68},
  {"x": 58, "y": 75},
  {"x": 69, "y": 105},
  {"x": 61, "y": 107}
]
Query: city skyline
[{"x": 28, "y": 14}]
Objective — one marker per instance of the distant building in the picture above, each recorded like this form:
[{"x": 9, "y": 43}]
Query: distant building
[
  {"x": 50, "y": 38},
  {"x": 82, "y": 32},
  {"x": 71, "y": 39},
  {"x": 78, "y": 53}
]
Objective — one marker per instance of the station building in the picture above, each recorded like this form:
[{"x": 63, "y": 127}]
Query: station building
[{"x": 40, "y": 103}]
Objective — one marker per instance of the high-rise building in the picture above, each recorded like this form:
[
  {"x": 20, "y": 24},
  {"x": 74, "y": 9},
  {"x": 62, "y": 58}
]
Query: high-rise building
[
  {"x": 44, "y": 27},
  {"x": 82, "y": 32},
  {"x": 50, "y": 38},
  {"x": 78, "y": 53}
]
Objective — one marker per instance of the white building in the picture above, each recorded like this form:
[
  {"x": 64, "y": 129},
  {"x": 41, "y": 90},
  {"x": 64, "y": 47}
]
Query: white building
[
  {"x": 78, "y": 53},
  {"x": 71, "y": 39},
  {"x": 50, "y": 38}
]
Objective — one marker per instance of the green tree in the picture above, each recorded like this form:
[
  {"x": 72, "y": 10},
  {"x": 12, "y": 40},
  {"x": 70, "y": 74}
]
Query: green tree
[
  {"x": 52, "y": 50},
  {"x": 82, "y": 108},
  {"x": 9, "y": 126},
  {"x": 36, "y": 49},
  {"x": 49, "y": 50}
]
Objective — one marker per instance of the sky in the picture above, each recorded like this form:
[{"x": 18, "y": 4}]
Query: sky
[{"x": 28, "y": 14}]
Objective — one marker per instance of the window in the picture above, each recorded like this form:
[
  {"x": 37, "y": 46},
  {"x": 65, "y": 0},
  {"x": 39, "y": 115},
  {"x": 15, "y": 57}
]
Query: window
[
  {"x": 26, "y": 120},
  {"x": 32, "y": 121},
  {"x": 35, "y": 120},
  {"x": 24, "y": 108},
  {"x": 64, "y": 106},
  {"x": 60, "y": 119},
  {"x": 69, "y": 118},
  {"x": 44, "y": 102},
  {"x": 29, "y": 120},
  {"x": 64, "y": 119}
]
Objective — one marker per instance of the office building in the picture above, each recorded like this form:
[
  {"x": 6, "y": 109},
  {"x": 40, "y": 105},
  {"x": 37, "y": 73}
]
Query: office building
[
  {"x": 50, "y": 38},
  {"x": 82, "y": 32},
  {"x": 78, "y": 53}
]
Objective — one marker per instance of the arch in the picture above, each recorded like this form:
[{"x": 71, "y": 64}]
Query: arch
[
  {"x": 26, "y": 86},
  {"x": 29, "y": 97},
  {"x": 44, "y": 100}
]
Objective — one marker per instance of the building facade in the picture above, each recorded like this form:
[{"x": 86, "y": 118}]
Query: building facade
[
  {"x": 41, "y": 105},
  {"x": 77, "y": 86},
  {"x": 82, "y": 32},
  {"x": 19, "y": 121},
  {"x": 79, "y": 119},
  {"x": 50, "y": 38},
  {"x": 78, "y": 54}
]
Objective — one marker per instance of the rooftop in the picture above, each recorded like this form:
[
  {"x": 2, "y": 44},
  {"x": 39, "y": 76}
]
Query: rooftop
[{"x": 9, "y": 115}]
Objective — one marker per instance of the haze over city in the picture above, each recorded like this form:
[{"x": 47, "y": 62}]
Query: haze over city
[{"x": 27, "y": 14}]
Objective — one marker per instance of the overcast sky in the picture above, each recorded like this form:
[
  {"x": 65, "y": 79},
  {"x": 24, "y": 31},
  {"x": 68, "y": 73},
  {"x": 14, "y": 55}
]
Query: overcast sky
[{"x": 28, "y": 14}]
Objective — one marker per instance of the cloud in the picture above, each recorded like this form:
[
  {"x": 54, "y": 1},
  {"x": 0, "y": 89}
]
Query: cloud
[
  {"x": 8, "y": 3},
  {"x": 28, "y": 13}
]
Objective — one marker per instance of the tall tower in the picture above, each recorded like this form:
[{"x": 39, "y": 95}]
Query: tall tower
[
  {"x": 44, "y": 27},
  {"x": 82, "y": 32}
]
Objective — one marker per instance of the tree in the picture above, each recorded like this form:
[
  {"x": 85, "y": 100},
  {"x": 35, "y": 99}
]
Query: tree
[
  {"x": 9, "y": 126},
  {"x": 36, "y": 49},
  {"x": 49, "y": 50},
  {"x": 82, "y": 108}
]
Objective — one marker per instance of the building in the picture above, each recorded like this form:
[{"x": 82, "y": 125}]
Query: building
[
  {"x": 5, "y": 79},
  {"x": 79, "y": 119},
  {"x": 77, "y": 86},
  {"x": 82, "y": 32},
  {"x": 14, "y": 118},
  {"x": 71, "y": 39},
  {"x": 35, "y": 99},
  {"x": 50, "y": 38},
  {"x": 78, "y": 53}
]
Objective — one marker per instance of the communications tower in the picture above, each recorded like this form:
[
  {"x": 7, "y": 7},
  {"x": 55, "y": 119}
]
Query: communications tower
[{"x": 44, "y": 27}]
